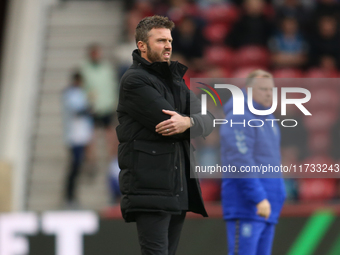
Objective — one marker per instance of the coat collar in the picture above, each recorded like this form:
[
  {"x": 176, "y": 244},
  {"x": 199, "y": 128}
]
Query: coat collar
[{"x": 162, "y": 68}]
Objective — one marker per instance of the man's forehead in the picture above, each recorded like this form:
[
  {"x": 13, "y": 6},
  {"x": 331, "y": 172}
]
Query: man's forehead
[
  {"x": 263, "y": 82},
  {"x": 160, "y": 32}
]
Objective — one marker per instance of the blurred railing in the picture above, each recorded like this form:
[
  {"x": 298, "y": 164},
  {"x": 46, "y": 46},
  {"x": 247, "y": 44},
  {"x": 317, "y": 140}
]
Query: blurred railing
[{"x": 5, "y": 187}]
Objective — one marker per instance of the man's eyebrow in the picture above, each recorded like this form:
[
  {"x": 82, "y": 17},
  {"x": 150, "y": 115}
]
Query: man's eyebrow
[{"x": 163, "y": 38}]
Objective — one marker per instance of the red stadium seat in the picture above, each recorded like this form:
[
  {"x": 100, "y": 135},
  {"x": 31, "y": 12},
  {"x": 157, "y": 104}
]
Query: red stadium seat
[
  {"x": 287, "y": 77},
  {"x": 221, "y": 13},
  {"x": 252, "y": 56},
  {"x": 244, "y": 72},
  {"x": 220, "y": 56},
  {"x": 218, "y": 72},
  {"x": 192, "y": 9},
  {"x": 215, "y": 33},
  {"x": 320, "y": 121},
  {"x": 319, "y": 142},
  {"x": 287, "y": 73},
  {"x": 319, "y": 159},
  {"x": 317, "y": 189},
  {"x": 319, "y": 73},
  {"x": 324, "y": 98},
  {"x": 210, "y": 190}
]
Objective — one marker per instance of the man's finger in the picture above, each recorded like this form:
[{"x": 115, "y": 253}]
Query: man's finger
[
  {"x": 169, "y": 112},
  {"x": 163, "y": 123},
  {"x": 164, "y": 127},
  {"x": 164, "y": 130},
  {"x": 171, "y": 133}
]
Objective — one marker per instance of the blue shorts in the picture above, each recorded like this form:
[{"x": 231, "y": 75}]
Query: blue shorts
[{"x": 249, "y": 237}]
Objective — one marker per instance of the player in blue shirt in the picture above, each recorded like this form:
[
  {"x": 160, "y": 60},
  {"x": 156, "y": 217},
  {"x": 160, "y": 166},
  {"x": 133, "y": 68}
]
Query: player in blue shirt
[{"x": 252, "y": 205}]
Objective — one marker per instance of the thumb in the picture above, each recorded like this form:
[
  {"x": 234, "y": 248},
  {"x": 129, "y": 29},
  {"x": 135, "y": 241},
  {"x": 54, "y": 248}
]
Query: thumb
[{"x": 169, "y": 112}]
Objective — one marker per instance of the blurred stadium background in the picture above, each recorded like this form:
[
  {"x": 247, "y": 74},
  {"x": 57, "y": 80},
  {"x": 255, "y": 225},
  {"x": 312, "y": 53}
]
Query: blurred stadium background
[{"x": 43, "y": 41}]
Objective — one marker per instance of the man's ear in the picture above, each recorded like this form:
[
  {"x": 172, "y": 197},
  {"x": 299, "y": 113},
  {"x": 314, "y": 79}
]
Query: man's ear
[{"x": 141, "y": 46}]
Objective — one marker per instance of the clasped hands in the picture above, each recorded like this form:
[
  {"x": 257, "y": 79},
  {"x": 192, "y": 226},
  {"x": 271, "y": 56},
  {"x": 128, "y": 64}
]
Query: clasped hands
[{"x": 175, "y": 125}]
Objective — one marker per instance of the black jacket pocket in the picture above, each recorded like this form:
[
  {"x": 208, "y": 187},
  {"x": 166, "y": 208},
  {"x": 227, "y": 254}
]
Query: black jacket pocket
[{"x": 153, "y": 166}]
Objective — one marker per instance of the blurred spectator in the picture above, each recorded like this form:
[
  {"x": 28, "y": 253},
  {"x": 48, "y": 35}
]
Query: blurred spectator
[
  {"x": 240, "y": 2},
  {"x": 326, "y": 41},
  {"x": 328, "y": 66},
  {"x": 207, "y": 3},
  {"x": 101, "y": 85},
  {"x": 298, "y": 9},
  {"x": 178, "y": 9},
  {"x": 304, "y": 3},
  {"x": 77, "y": 133},
  {"x": 253, "y": 28},
  {"x": 144, "y": 7},
  {"x": 288, "y": 46},
  {"x": 187, "y": 39},
  {"x": 328, "y": 8}
]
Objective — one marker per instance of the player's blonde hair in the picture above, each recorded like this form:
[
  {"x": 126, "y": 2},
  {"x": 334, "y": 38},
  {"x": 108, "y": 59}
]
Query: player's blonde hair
[{"x": 259, "y": 73}]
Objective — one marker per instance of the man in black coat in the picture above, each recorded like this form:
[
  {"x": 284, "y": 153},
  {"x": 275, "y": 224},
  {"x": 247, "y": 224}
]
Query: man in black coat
[{"x": 157, "y": 116}]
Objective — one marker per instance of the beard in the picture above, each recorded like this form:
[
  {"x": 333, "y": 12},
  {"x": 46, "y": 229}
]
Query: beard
[{"x": 154, "y": 56}]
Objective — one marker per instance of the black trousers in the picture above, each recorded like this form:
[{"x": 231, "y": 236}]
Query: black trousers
[
  {"x": 76, "y": 159},
  {"x": 159, "y": 233}
]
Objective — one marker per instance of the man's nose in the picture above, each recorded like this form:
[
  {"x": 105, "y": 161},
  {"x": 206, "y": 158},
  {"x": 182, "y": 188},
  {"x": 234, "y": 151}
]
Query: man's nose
[{"x": 168, "y": 45}]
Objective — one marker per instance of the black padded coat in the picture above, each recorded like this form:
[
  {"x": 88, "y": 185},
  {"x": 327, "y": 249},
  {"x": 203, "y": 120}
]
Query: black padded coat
[{"x": 154, "y": 167}]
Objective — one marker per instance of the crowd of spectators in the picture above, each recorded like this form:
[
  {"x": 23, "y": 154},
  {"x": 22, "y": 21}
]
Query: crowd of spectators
[
  {"x": 289, "y": 38},
  {"x": 294, "y": 34}
]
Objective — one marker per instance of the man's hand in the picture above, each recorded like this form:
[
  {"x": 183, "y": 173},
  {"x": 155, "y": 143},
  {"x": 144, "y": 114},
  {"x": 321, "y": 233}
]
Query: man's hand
[
  {"x": 175, "y": 125},
  {"x": 264, "y": 208}
]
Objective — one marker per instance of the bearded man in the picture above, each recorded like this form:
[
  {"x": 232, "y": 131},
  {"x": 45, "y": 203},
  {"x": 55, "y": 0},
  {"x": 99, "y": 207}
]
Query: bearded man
[{"x": 157, "y": 116}]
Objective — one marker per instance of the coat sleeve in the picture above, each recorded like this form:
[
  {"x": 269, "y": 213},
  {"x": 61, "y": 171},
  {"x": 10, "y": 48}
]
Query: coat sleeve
[
  {"x": 237, "y": 147},
  {"x": 203, "y": 123},
  {"x": 143, "y": 102}
]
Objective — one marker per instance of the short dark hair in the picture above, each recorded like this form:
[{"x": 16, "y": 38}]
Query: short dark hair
[
  {"x": 76, "y": 76},
  {"x": 148, "y": 23}
]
